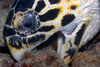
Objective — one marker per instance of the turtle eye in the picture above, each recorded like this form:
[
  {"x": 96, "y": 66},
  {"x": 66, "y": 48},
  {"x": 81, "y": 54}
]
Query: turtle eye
[
  {"x": 29, "y": 20},
  {"x": 28, "y": 23}
]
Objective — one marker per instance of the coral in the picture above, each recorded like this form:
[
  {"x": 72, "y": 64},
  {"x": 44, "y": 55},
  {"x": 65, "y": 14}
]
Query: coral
[{"x": 6, "y": 61}]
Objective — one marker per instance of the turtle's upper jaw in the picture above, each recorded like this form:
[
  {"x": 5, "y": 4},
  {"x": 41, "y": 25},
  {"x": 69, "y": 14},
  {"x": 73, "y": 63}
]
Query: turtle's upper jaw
[{"x": 26, "y": 22}]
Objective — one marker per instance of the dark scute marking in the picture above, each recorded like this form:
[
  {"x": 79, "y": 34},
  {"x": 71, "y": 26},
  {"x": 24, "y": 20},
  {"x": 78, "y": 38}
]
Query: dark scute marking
[
  {"x": 73, "y": 7},
  {"x": 23, "y": 5},
  {"x": 24, "y": 41},
  {"x": 18, "y": 33},
  {"x": 40, "y": 6},
  {"x": 71, "y": 53},
  {"x": 14, "y": 4},
  {"x": 79, "y": 35},
  {"x": 15, "y": 41},
  {"x": 8, "y": 31},
  {"x": 50, "y": 15},
  {"x": 63, "y": 37},
  {"x": 54, "y": 1},
  {"x": 36, "y": 38},
  {"x": 21, "y": 34},
  {"x": 9, "y": 18},
  {"x": 67, "y": 19},
  {"x": 46, "y": 28},
  {"x": 70, "y": 43}
]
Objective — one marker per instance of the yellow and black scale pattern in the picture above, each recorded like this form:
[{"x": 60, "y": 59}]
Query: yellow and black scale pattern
[{"x": 31, "y": 22}]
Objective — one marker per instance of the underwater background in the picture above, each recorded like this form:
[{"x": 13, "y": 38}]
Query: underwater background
[{"x": 45, "y": 54}]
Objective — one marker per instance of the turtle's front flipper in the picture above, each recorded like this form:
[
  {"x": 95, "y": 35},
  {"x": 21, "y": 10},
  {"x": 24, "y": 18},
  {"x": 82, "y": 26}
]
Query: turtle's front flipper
[
  {"x": 68, "y": 45},
  {"x": 66, "y": 49}
]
